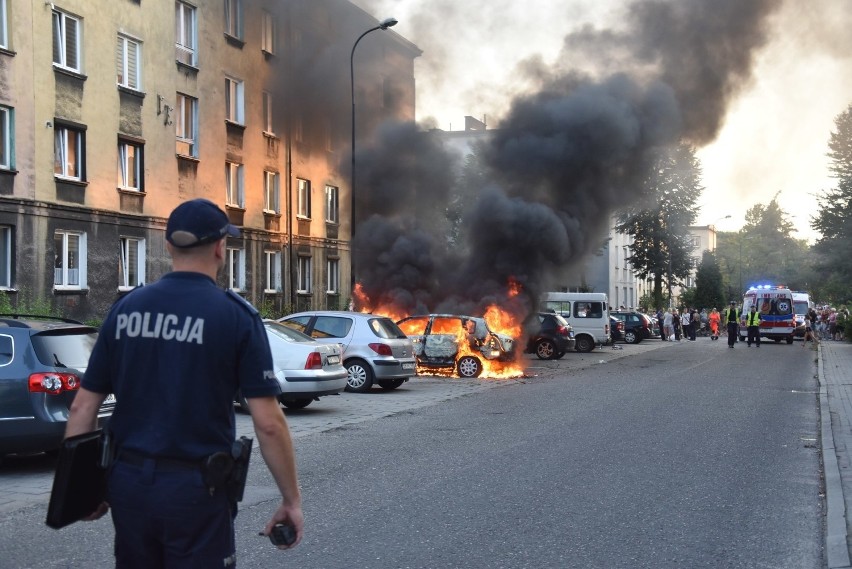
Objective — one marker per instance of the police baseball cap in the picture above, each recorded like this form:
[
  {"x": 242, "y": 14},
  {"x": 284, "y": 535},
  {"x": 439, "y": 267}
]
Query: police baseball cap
[
  {"x": 198, "y": 222},
  {"x": 733, "y": 303}
]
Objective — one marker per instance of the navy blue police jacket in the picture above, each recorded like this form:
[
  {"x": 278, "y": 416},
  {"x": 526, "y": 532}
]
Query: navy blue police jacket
[{"x": 175, "y": 353}]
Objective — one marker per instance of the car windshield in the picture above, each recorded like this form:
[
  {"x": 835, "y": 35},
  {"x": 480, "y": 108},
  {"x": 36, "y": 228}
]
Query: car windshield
[
  {"x": 65, "y": 348},
  {"x": 385, "y": 328},
  {"x": 286, "y": 333},
  {"x": 800, "y": 306}
]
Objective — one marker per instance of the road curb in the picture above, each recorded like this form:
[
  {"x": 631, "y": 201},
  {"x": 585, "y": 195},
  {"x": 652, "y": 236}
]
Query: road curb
[{"x": 836, "y": 537}]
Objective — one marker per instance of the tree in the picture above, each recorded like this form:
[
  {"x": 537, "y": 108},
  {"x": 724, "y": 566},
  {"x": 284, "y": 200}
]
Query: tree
[
  {"x": 709, "y": 291},
  {"x": 662, "y": 245},
  {"x": 833, "y": 250}
]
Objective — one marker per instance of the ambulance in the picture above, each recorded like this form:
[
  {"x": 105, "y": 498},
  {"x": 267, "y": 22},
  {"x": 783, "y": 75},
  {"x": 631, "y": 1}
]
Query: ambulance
[{"x": 775, "y": 306}]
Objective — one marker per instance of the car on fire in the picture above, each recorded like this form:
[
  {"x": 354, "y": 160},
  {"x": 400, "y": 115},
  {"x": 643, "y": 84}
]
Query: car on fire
[
  {"x": 375, "y": 350},
  {"x": 453, "y": 342},
  {"x": 42, "y": 360}
]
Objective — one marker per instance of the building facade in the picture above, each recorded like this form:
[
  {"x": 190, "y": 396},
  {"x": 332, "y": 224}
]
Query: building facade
[{"x": 115, "y": 111}]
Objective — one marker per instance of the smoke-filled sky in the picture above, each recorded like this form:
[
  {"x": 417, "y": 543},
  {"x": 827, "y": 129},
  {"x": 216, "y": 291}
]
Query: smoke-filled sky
[{"x": 773, "y": 132}]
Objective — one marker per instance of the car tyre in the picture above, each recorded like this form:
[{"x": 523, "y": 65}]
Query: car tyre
[
  {"x": 559, "y": 355},
  {"x": 390, "y": 384},
  {"x": 789, "y": 339},
  {"x": 545, "y": 349},
  {"x": 469, "y": 366},
  {"x": 630, "y": 337},
  {"x": 584, "y": 344},
  {"x": 295, "y": 403},
  {"x": 360, "y": 379}
]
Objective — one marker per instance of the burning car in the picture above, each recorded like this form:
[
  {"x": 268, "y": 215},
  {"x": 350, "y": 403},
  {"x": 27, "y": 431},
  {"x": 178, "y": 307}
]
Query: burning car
[{"x": 452, "y": 342}]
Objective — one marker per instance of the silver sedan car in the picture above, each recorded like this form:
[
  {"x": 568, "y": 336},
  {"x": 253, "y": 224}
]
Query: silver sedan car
[{"x": 375, "y": 350}]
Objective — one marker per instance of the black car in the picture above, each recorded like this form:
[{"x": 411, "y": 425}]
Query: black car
[
  {"x": 637, "y": 326},
  {"x": 551, "y": 336},
  {"x": 616, "y": 328},
  {"x": 42, "y": 361}
]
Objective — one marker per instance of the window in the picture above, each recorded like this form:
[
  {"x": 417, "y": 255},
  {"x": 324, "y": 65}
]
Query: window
[
  {"x": 304, "y": 199},
  {"x": 267, "y": 36},
  {"x": 127, "y": 55},
  {"x": 6, "y": 161},
  {"x": 304, "y": 275},
  {"x": 66, "y": 41},
  {"x": 267, "y": 113},
  {"x": 234, "y": 101},
  {"x": 332, "y": 213},
  {"x": 234, "y": 18},
  {"x": 131, "y": 271},
  {"x": 234, "y": 196},
  {"x": 333, "y": 276},
  {"x": 271, "y": 190},
  {"x": 68, "y": 152},
  {"x": 186, "y": 119},
  {"x": 185, "y": 34},
  {"x": 273, "y": 271},
  {"x": 5, "y": 256},
  {"x": 130, "y": 165},
  {"x": 4, "y": 38},
  {"x": 70, "y": 260},
  {"x": 236, "y": 269}
]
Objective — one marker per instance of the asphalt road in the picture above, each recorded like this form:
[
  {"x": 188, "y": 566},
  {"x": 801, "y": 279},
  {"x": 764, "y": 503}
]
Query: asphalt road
[{"x": 680, "y": 455}]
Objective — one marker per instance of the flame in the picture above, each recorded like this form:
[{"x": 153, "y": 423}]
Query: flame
[{"x": 498, "y": 319}]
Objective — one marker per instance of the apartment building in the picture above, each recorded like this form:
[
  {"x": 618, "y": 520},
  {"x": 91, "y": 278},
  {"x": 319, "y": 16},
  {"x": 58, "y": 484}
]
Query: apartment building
[{"x": 112, "y": 112}]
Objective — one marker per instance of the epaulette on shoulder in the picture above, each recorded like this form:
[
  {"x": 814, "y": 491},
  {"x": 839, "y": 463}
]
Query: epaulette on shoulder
[{"x": 241, "y": 301}]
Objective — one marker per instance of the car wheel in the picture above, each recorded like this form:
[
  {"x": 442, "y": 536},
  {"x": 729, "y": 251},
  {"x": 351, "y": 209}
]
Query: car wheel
[
  {"x": 469, "y": 366},
  {"x": 360, "y": 378},
  {"x": 789, "y": 339},
  {"x": 584, "y": 344},
  {"x": 295, "y": 403},
  {"x": 545, "y": 350},
  {"x": 778, "y": 340},
  {"x": 559, "y": 355},
  {"x": 630, "y": 337},
  {"x": 390, "y": 384}
]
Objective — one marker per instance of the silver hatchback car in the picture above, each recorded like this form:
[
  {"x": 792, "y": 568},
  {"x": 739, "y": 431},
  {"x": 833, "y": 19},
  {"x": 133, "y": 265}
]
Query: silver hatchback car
[{"x": 374, "y": 348}]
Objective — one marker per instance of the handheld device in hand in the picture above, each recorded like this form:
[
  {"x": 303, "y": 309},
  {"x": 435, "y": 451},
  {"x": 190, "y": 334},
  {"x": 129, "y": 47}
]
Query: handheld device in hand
[{"x": 282, "y": 535}]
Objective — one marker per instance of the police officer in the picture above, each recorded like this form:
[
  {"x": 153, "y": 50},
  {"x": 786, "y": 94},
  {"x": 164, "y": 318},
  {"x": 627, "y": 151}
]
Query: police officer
[
  {"x": 753, "y": 326},
  {"x": 175, "y": 353},
  {"x": 731, "y": 320}
]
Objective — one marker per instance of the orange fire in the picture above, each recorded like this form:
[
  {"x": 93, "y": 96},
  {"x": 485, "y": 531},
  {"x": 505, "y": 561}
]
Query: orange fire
[{"x": 499, "y": 320}]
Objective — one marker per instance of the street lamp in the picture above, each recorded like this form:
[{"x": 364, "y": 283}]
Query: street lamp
[{"x": 385, "y": 24}]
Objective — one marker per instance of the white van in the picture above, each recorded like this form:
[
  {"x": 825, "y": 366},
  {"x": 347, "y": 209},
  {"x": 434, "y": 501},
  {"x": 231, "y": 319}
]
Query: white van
[
  {"x": 802, "y": 304},
  {"x": 586, "y": 312}
]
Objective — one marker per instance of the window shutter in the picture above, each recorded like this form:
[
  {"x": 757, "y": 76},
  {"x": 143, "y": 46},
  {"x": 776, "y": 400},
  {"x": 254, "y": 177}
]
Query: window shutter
[
  {"x": 132, "y": 57},
  {"x": 71, "y": 56}
]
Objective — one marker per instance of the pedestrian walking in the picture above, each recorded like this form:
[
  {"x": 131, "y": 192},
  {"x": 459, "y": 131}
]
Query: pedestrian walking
[
  {"x": 668, "y": 326},
  {"x": 714, "y": 318},
  {"x": 676, "y": 324},
  {"x": 686, "y": 323},
  {"x": 175, "y": 354},
  {"x": 731, "y": 320},
  {"x": 810, "y": 333},
  {"x": 753, "y": 326}
]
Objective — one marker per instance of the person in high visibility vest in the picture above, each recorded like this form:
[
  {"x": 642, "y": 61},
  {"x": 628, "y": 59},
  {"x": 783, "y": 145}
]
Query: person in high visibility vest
[
  {"x": 753, "y": 326},
  {"x": 731, "y": 321}
]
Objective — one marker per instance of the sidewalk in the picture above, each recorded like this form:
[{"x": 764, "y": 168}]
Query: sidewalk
[{"x": 835, "y": 401}]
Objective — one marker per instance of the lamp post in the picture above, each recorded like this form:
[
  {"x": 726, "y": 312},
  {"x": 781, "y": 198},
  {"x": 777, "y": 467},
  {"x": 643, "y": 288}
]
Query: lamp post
[{"x": 385, "y": 24}]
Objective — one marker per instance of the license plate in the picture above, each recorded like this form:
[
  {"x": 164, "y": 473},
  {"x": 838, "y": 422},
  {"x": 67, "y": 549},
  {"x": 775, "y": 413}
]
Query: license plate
[
  {"x": 334, "y": 359},
  {"x": 408, "y": 366},
  {"x": 109, "y": 399}
]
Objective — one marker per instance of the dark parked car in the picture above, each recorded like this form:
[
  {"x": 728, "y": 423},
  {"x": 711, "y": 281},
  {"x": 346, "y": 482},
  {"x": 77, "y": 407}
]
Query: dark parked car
[
  {"x": 637, "y": 326},
  {"x": 616, "y": 328},
  {"x": 550, "y": 336},
  {"x": 42, "y": 361}
]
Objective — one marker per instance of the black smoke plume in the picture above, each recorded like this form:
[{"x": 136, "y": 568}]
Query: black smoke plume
[{"x": 545, "y": 183}]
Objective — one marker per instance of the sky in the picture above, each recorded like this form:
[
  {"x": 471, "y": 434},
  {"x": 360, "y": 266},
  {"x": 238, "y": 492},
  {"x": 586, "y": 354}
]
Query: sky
[{"x": 774, "y": 138}]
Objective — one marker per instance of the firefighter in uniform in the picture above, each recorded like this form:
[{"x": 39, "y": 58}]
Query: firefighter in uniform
[
  {"x": 175, "y": 353},
  {"x": 731, "y": 321},
  {"x": 753, "y": 326}
]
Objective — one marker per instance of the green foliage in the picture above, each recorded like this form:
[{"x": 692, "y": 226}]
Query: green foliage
[
  {"x": 25, "y": 303},
  {"x": 709, "y": 291},
  {"x": 687, "y": 297},
  {"x": 662, "y": 245}
]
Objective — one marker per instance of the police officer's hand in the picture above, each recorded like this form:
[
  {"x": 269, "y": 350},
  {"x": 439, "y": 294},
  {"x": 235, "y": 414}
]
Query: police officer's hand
[
  {"x": 103, "y": 508},
  {"x": 288, "y": 515}
]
